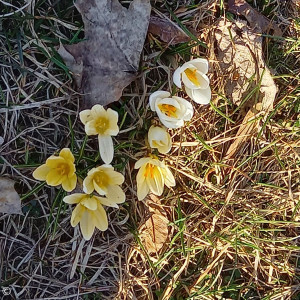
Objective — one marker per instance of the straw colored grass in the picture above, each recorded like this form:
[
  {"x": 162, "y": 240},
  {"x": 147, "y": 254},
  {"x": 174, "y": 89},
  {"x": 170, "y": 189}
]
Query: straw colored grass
[{"x": 234, "y": 222}]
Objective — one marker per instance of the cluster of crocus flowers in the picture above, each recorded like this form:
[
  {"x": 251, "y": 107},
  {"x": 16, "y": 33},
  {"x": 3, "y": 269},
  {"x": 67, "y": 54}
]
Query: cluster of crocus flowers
[{"x": 60, "y": 170}]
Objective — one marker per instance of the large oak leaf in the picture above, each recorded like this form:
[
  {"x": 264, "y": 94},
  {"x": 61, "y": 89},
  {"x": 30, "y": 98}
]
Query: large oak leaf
[{"x": 108, "y": 59}]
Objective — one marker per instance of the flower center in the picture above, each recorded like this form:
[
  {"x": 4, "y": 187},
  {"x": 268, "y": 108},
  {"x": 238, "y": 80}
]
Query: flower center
[
  {"x": 150, "y": 170},
  {"x": 191, "y": 75},
  {"x": 102, "y": 124},
  {"x": 168, "y": 110},
  {"x": 63, "y": 169},
  {"x": 102, "y": 179}
]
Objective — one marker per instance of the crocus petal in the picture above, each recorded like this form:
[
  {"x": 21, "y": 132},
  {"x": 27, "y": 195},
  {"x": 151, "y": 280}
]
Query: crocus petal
[
  {"x": 87, "y": 225},
  {"x": 115, "y": 194},
  {"x": 53, "y": 161},
  {"x": 169, "y": 178},
  {"x": 53, "y": 178},
  {"x": 67, "y": 154},
  {"x": 187, "y": 107},
  {"x": 159, "y": 138},
  {"x": 74, "y": 198},
  {"x": 90, "y": 128},
  {"x": 115, "y": 178},
  {"x": 85, "y": 116},
  {"x": 156, "y": 184},
  {"x": 112, "y": 115},
  {"x": 177, "y": 77},
  {"x": 89, "y": 202},
  {"x": 69, "y": 183},
  {"x": 99, "y": 190},
  {"x": 172, "y": 124},
  {"x": 142, "y": 186},
  {"x": 155, "y": 96},
  {"x": 97, "y": 110},
  {"x": 200, "y": 96},
  {"x": 77, "y": 214},
  {"x": 107, "y": 202},
  {"x": 142, "y": 161},
  {"x": 200, "y": 64},
  {"x": 99, "y": 218},
  {"x": 88, "y": 185},
  {"x": 187, "y": 83},
  {"x": 106, "y": 148},
  {"x": 41, "y": 172}
]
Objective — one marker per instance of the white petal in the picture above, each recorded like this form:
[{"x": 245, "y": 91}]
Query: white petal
[
  {"x": 203, "y": 80},
  {"x": 156, "y": 184},
  {"x": 169, "y": 178},
  {"x": 172, "y": 124},
  {"x": 177, "y": 77},
  {"x": 155, "y": 96},
  {"x": 200, "y": 64},
  {"x": 199, "y": 95},
  {"x": 142, "y": 161},
  {"x": 85, "y": 116},
  {"x": 188, "y": 108},
  {"x": 97, "y": 110},
  {"x": 90, "y": 128},
  {"x": 142, "y": 189},
  {"x": 106, "y": 148}
]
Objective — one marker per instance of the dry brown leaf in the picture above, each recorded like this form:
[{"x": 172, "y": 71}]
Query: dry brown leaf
[
  {"x": 255, "y": 18},
  {"x": 239, "y": 53},
  {"x": 154, "y": 232},
  {"x": 10, "y": 202},
  {"x": 108, "y": 60},
  {"x": 240, "y": 57},
  {"x": 167, "y": 30}
]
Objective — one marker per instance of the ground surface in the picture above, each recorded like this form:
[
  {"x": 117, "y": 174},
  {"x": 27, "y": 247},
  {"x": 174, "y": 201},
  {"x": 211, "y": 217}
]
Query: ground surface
[{"x": 232, "y": 231}]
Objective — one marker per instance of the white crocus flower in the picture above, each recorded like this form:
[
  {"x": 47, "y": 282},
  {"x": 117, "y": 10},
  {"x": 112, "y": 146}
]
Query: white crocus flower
[
  {"x": 159, "y": 138},
  {"x": 172, "y": 111},
  {"x": 193, "y": 76},
  {"x": 103, "y": 123},
  {"x": 152, "y": 176}
]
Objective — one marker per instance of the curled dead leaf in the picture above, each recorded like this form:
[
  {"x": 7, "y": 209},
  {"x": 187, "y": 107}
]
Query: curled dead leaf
[
  {"x": 167, "y": 30},
  {"x": 255, "y": 18},
  {"x": 10, "y": 202},
  {"x": 108, "y": 59}
]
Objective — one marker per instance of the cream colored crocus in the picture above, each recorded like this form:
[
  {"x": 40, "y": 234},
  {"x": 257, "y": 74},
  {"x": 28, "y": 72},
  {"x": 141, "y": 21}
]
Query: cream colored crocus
[
  {"x": 193, "y": 75},
  {"x": 152, "y": 176},
  {"x": 105, "y": 181},
  {"x": 159, "y": 138},
  {"x": 104, "y": 123},
  {"x": 89, "y": 212},
  {"x": 172, "y": 111},
  {"x": 58, "y": 170}
]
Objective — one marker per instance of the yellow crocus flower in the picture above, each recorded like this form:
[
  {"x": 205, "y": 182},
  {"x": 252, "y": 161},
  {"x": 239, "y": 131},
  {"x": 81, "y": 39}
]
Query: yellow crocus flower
[
  {"x": 105, "y": 181},
  {"x": 58, "y": 170},
  {"x": 152, "y": 176},
  {"x": 104, "y": 123},
  {"x": 89, "y": 212}
]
